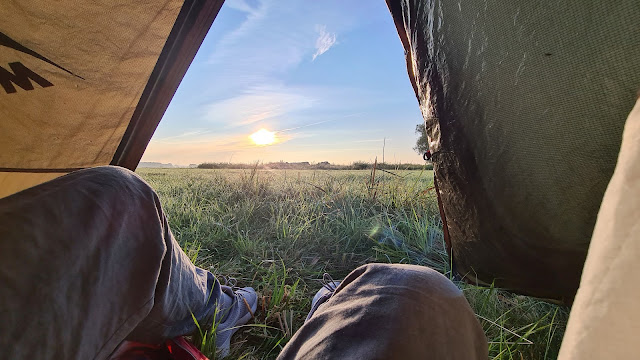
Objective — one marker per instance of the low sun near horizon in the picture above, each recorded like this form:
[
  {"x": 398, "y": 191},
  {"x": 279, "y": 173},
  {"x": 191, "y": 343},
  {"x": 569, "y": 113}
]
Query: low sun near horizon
[
  {"x": 324, "y": 80},
  {"x": 263, "y": 137}
]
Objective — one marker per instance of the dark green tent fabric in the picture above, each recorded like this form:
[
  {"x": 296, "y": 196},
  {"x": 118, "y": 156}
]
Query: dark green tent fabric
[{"x": 524, "y": 104}]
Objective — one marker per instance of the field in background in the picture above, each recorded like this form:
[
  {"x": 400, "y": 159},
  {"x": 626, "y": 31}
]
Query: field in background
[
  {"x": 280, "y": 230},
  {"x": 324, "y": 165}
]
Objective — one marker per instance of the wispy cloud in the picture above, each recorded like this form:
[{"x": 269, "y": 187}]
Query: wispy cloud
[
  {"x": 258, "y": 104},
  {"x": 371, "y": 140},
  {"x": 324, "y": 42},
  {"x": 274, "y": 39},
  {"x": 188, "y": 134},
  {"x": 267, "y": 44},
  {"x": 241, "y": 5},
  {"x": 305, "y": 125}
]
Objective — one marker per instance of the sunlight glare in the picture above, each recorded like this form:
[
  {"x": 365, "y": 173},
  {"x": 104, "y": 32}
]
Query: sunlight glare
[{"x": 263, "y": 137}]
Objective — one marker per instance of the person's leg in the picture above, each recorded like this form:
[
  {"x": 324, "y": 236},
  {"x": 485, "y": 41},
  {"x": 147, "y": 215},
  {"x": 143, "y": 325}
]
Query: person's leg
[
  {"x": 87, "y": 260},
  {"x": 605, "y": 318},
  {"x": 383, "y": 311}
]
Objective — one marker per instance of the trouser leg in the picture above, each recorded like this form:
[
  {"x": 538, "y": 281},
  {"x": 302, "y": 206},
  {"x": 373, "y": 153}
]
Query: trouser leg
[
  {"x": 87, "y": 260},
  {"x": 605, "y": 318},
  {"x": 383, "y": 311}
]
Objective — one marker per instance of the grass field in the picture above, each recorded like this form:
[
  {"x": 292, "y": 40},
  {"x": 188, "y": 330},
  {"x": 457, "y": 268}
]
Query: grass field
[{"x": 279, "y": 231}]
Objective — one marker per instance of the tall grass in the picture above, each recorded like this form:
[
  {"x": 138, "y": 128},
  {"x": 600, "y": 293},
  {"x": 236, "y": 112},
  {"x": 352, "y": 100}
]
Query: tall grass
[{"x": 280, "y": 230}]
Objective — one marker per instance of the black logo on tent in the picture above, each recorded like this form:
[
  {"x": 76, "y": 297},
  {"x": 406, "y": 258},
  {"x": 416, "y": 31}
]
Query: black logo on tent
[{"x": 20, "y": 74}]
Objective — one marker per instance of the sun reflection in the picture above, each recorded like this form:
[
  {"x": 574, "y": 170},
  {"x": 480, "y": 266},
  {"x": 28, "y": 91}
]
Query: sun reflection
[{"x": 263, "y": 137}]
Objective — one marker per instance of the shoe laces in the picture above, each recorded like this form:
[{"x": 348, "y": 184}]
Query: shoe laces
[
  {"x": 228, "y": 281},
  {"x": 328, "y": 283}
]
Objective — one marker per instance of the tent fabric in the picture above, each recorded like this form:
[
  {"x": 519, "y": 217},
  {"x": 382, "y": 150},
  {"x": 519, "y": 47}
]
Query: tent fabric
[
  {"x": 606, "y": 310},
  {"x": 82, "y": 86},
  {"x": 524, "y": 105},
  {"x": 12, "y": 182}
]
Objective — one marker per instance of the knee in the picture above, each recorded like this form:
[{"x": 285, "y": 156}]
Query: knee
[
  {"x": 113, "y": 180},
  {"x": 114, "y": 188},
  {"x": 109, "y": 174},
  {"x": 125, "y": 202},
  {"x": 420, "y": 278}
]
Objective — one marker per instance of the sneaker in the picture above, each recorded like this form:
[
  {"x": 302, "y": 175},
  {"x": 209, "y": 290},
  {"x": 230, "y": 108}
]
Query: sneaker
[
  {"x": 329, "y": 287},
  {"x": 237, "y": 308}
]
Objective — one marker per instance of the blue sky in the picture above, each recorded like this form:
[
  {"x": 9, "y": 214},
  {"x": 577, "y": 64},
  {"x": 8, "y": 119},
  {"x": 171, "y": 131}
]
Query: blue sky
[{"x": 328, "y": 77}]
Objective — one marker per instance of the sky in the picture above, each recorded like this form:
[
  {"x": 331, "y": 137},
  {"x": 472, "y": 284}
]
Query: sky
[{"x": 327, "y": 77}]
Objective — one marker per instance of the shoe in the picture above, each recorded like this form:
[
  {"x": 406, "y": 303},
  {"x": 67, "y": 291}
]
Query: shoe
[
  {"x": 236, "y": 308},
  {"x": 329, "y": 287},
  {"x": 177, "y": 348}
]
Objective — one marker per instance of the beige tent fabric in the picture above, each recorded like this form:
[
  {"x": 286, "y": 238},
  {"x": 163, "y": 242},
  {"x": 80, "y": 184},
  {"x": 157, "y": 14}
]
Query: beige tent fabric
[
  {"x": 13, "y": 182},
  {"x": 72, "y": 75},
  {"x": 605, "y": 319}
]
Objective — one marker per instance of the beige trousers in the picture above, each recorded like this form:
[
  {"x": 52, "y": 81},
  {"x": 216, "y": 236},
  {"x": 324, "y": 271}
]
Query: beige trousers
[{"x": 605, "y": 319}]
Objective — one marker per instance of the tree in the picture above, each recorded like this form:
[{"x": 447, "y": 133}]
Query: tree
[{"x": 422, "y": 144}]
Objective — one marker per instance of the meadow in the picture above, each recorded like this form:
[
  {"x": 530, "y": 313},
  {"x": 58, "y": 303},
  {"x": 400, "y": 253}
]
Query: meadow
[{"x": 279, "y": 231}]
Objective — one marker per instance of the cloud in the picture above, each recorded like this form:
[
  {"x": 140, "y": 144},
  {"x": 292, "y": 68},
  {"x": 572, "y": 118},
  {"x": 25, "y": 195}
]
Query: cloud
[
  {"x": 274, "y": 39},
  {"x": 324, "y": 42},
  {"x": 187, "y": 134},
  {"x": 240, "y": 5},
  {"x": 258, "y": 104},
  {"x": 266, "y": 45}
]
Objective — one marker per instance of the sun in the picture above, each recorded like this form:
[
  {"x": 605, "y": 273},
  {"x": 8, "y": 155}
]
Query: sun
[{"x": 263, "y": 137}]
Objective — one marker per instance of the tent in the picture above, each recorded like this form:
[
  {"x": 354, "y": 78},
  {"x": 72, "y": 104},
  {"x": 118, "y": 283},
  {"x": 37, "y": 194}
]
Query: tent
[
  {"x": 524, "y": 104},
  {"x": 85, "y": 86}
]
